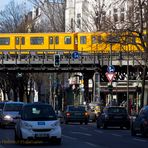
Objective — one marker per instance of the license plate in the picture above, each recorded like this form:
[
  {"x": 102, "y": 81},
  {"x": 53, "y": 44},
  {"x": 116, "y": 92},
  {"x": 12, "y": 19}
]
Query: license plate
[
  {"x": 41, "y": 135},
  {"x": 41, "y": 123},
  {"x": 118, "y": 117},
  {"x": 77, "y": 113}
]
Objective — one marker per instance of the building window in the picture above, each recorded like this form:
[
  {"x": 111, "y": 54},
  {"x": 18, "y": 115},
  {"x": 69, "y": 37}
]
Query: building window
[
  {"x": 115, "y": 18},
  {"x": 37, "y": 11},
  {"x": 36, "y": 40},
  {"x": 4, "y": 41},
  {"x": 78, "y": 20},
  {"x": 122, "y": 17},
  {"x": 50, "y": 40},
  {"x": 72, "y": 23},
  {"x": 115, "y": 10},
  {"x": 67, "y": 40},
  {"x": 82, "y": 39}
]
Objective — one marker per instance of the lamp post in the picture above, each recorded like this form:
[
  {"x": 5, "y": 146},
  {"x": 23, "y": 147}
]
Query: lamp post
[{"x": 128, "y": 80}]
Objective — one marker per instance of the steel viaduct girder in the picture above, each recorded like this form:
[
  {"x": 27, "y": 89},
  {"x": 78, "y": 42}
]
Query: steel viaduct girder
[
  {"x": 32, "y": 62},
  {"x": 39, "y": 60}
]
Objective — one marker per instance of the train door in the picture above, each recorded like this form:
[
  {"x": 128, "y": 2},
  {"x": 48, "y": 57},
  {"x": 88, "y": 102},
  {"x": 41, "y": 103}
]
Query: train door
[{"x": 19, "y": 42}]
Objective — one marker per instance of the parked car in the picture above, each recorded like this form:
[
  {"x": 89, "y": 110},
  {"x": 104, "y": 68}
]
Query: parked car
[
  {"x": 113, "y": 116},
  {"x": 76, "y": 114},
  {"x": 10, "y": 113},
  {"x": 140, "y": 123},
  {"x": 60, "y": 116},
  {"x": 1, "y": 110},
  {"x": 38, "y": 121}
]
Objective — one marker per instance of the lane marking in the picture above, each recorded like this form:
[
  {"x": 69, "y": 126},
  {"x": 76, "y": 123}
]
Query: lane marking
[
  {"x": 91, "y": 144},
  {"x": 117, "y": 135},
  {"x": 68, "y": 137},
  {"x": 85, "y": 134},
  {"x": 97, "y": 131},
  {"x": 139, "y": 140}
]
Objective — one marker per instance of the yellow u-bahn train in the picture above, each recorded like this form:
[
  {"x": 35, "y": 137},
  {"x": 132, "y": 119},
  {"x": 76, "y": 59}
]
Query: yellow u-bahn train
[{"x": 98, "y": 42}]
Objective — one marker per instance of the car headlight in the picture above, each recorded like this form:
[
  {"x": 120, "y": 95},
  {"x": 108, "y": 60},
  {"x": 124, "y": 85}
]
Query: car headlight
[
  {"x": 8, "y": 117},
  {"x": 56, "y": 123},
  {"x": 26, "y": 125}
]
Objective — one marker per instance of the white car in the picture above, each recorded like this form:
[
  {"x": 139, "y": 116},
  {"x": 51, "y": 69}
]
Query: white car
[{"x": 38, "y": 121}]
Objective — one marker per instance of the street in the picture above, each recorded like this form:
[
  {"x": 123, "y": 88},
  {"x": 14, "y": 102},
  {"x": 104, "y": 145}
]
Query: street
[{"x": 88, "y": 136}]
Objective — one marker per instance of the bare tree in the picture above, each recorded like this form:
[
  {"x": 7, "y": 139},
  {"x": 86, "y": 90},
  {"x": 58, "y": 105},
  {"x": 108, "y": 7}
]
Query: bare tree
[
  {"x": 52, "y": 17},
  {"x": 12, "y": 18}
]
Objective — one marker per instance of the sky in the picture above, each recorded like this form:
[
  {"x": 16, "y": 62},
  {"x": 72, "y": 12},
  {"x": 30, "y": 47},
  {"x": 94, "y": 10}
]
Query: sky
[{"x": 3, "y": 3}]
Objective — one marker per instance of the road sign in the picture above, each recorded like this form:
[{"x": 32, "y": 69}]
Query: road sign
[
  {"x": 110, "y": 76},
  {"x": 110, "y": 69},
  {"x": 75, "y": 55}
]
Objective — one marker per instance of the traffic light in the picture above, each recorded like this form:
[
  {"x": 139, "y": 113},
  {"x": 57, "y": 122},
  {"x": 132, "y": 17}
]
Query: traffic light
[{"x": 56, "y": 60}]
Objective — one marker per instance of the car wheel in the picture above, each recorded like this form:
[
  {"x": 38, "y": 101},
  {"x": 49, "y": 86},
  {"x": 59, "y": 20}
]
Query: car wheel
[
  {"x": 81, "y": 122},
  {"x": 143, "y": 131},
  {"x": 16, "y": 138},
  {"x": 128, "y": 127},
  {"x": 133, "y": 132},
  {"x": 98, "y": 125},
  {"x": 104, "y": 126},
  {"x": 86, "y": 122},
  {"x": 56, "y": 141}
]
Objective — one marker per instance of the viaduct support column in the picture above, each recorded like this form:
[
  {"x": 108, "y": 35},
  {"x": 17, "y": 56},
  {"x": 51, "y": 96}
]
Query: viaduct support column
[{"x": 86, "y": 76}]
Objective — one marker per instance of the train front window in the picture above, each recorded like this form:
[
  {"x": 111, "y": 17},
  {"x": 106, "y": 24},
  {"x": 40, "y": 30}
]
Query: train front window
[
  {"x": 4, "y": 41},
  {"x": 67, "y": 40},
  {"x": 36, "y": 40},
  {"x": 82, "y": 39}
]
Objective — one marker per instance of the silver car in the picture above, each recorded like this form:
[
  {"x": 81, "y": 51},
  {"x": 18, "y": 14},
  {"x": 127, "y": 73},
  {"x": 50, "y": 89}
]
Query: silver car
[{"x": 10, "y": 113}]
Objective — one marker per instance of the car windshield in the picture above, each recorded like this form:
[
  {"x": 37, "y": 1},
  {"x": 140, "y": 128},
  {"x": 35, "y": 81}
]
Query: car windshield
[
  {"x": 38, "y": 113},
  {"x": 13, "y": 107},
  {"x": 76, "y": 108},
  {"x": 117, "y": 110},
  {"x": 1, "y": 105}
]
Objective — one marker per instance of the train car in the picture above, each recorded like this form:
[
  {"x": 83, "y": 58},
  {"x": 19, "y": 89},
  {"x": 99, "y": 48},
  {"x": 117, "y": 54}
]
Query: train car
[
  {"x": 39, "y": 42},
  {"x": 93, "y": 42}
]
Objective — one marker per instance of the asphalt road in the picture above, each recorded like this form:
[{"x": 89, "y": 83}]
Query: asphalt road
[{"x": 83, "y": 136}]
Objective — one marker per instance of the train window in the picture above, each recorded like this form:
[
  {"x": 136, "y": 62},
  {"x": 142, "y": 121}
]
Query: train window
[
  {"x": 76, "y": 40},
  {"x": 36, "y": 40},
  {"x": 56, "y": 40},
  {"x": 50, "y": 40},
  {"x": 130, "y": 40},
  {"x": 99, "y": 39},
  {"x": 94, "y": 40},
  {"x": 113, "y": 39},
  {"x": 4, "y": 41},
  {"x": 17, "y": 40},
  {"x": 82, "y": 39},
  {"x": 67, "y": 40},
  {"x": 23, "y": 40}
]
